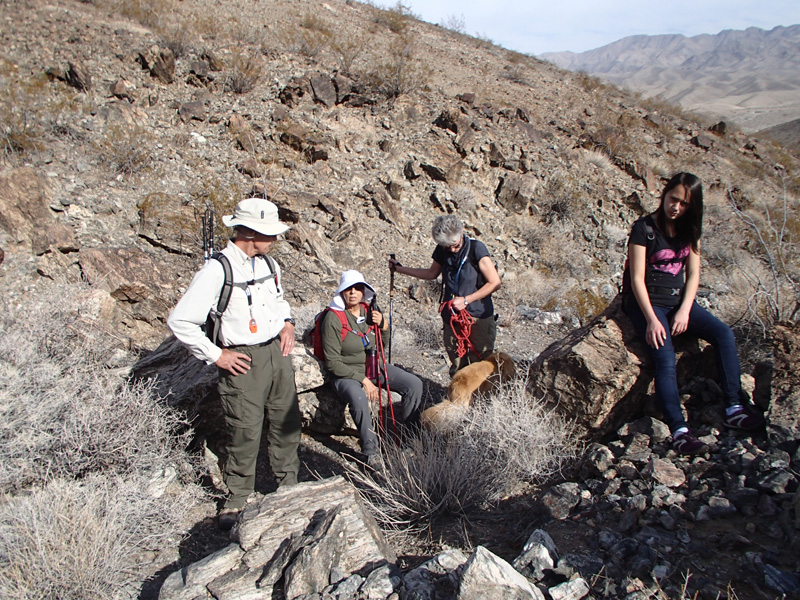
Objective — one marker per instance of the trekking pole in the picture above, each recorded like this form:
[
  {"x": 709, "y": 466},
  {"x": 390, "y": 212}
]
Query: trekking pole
[
  {"x": 379, "y": 344},
  {"x": 391, "y": 306},
  {"x": 204, "y": 234},
  {"x": 208, "y": 234}
]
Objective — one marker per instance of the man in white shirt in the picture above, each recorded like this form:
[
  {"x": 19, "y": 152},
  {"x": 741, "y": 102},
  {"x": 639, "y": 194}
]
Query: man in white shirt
[{"x": 256, "y": 336}]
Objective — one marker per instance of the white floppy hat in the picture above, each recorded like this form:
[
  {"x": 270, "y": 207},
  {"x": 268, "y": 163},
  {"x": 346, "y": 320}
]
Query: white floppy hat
[
  {"x": 351, "y": 278},
  {"x": 257, "y": 214}
]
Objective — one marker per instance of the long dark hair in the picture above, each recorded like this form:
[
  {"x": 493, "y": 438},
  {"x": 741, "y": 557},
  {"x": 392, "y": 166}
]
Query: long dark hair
[{"x": 689, "y": 227}]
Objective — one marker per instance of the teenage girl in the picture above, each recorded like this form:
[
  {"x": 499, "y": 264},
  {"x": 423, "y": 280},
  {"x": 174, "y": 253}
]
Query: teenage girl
[{"x": 664, "y": 271}]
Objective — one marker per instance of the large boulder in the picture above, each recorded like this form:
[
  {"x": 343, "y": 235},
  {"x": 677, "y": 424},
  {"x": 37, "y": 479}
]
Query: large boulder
[
  {"x": 600, "y": 374},
  {"x": 783, "y": 425},
  {"x": 594, "y": 375},
  {"x": 26, "y": 216},
  {"x": 301, "y": 535}
]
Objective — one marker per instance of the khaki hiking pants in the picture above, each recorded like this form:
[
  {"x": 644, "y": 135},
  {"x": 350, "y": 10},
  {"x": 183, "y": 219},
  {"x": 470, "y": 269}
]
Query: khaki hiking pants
[{"x": 268, "y": 387}]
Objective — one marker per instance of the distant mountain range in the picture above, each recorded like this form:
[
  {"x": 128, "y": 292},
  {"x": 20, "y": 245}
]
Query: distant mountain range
[{"x": 750, "y": 77}]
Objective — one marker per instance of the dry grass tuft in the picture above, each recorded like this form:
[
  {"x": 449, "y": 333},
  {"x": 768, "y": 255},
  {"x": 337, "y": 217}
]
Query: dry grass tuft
[
  {"x": 398, "y": 71},
  {"x": 92, "y": 467},
  {"x": 246, "y": 71},
  {"x": 126, "y": 149},
  {"x": 76, "y": 540},
  {"x": 505, "y": 441}
]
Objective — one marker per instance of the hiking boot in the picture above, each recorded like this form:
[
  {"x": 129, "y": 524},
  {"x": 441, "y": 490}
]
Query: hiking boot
[
  {"x": 375, "y": 463},
  {"x": 227, "y": 517},
  {"x": 744, "y": 419},
  {"x": 686, "y": 443}
]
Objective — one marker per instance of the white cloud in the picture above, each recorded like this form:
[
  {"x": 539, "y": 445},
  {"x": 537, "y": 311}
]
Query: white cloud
[{"x": 537, "y": 26}]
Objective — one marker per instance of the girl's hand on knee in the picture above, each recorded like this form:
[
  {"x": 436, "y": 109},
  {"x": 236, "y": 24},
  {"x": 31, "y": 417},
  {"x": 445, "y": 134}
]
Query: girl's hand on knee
[
  {"x": 680, "y": 322},
  {"x": 656, "y": 335}
]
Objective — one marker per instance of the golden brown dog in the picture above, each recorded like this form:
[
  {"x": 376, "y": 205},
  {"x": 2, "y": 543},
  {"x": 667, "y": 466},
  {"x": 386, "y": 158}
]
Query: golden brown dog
[{"x": 476, "y": 378}]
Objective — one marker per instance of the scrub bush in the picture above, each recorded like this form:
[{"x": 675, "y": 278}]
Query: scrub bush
[
  {"x": 504, "y": 441},
  {"x": 92, "y": 467}
]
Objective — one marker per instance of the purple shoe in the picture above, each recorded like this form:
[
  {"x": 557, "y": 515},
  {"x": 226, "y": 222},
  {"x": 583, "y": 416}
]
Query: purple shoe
[
  {"x": 686, "y": 443},
  {"x": 744, "y": 420}
]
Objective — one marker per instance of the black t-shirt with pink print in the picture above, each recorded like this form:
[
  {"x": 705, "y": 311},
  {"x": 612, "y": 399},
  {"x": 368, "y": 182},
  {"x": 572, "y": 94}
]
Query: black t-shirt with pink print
[{"x": 666, "y": 261}]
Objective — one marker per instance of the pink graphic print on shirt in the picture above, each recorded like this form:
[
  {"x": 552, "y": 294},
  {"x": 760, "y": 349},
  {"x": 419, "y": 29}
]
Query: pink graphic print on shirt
[{"x": 669, "y": 261}]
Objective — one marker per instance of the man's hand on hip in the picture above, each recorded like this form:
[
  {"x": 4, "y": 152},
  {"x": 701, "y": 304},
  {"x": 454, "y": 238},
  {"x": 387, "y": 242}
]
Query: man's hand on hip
[
  {"x": 287, "y": 339},
  {"x": 235, "y": 362}
]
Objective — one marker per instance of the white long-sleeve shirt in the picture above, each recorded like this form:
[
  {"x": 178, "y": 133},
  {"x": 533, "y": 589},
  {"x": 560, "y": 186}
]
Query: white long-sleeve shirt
[{"x": 269, "y": 308}]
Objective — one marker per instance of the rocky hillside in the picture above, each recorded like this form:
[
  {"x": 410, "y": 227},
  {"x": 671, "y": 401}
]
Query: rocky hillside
[
  {"x": 746, "y": 76},
  {"x": 122, "y": 123}
]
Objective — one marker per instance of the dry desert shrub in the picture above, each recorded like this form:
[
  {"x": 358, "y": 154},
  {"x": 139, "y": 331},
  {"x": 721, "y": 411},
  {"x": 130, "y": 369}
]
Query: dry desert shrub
[
  {"x": 85, "y": 539},
  {"x": 313, "y": 35},
  {"x": 611, "y": 133},
  {"x": 64, "y": 413},
  {"x": 557, "y": 252},
  {"x": 398, "y": 71},
  {"x": 531, "y": 288},
  {"x": 348, "y": 47},
  {"x": 92, "y": 467},
  {"x": 427, "y": 333},
  {"x": 30, "y": 113},
  {"x": 126, "y": 149},
  {"x": 590, "y": 83},
  {"x": 774, "y": 240},
  {"x": 245, "y": 72},
  {"x": 149, "y": 13},
  {"x": 507, "y": 440},
  {"x": 396, "y": 18},
  {"x": 455, "y": 23}
]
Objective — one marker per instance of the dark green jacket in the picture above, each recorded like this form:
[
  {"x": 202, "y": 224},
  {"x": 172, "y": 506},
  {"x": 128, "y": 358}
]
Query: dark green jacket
[{"x": 345, "y": 358}]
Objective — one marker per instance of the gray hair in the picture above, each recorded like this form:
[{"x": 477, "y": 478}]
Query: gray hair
[{"x": 447, "y": 230}]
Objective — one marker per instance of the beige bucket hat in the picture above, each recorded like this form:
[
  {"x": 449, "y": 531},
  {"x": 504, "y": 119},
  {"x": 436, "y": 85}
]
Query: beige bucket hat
[{"x": 257, "y": 214}]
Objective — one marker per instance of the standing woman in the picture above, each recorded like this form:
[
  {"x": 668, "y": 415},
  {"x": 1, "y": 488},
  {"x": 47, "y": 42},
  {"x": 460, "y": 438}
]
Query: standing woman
[
  {"x": 347, "y": 333},
  {"x": 664, "y": 271},
  {"x": 470, "y": 278}
]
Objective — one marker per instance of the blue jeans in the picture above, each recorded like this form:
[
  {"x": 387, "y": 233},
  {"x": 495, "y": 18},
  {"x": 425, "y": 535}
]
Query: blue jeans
[{"x": 704, "y": 325}]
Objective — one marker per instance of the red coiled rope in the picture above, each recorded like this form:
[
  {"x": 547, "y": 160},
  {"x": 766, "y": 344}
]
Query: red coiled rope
[{"x": 461, "y": 324}]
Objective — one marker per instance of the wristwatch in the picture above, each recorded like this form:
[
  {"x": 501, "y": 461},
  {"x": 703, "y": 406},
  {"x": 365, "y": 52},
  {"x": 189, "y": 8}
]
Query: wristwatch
[{"x": 289, "y": 320}]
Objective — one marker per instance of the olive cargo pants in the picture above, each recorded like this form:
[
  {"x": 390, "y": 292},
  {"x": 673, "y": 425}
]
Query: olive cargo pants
[{"x": 267, "y": 387}]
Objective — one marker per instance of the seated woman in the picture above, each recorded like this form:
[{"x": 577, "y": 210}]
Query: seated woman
[
  {"x": 664, "y": 274},
  {"x": 348, "y": 334}
]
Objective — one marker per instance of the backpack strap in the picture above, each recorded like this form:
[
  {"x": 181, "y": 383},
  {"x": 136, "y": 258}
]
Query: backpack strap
[
  {"x": 343, "y": 320},
  {"x": 346, "y": 325},
  {"x": 227, "y": 284},
  {"x": 651, "y": 242},
  {"x": 273, "y": 270},
  {"x": 650, "y": 233},
  {"x": 214, "y": 321}
]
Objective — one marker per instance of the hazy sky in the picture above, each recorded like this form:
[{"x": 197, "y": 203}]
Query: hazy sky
[{"x": 537, "y": 26}]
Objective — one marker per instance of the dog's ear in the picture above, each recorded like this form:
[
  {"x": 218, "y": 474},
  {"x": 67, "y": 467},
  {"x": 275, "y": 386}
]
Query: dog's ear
[
  {"x": 507, "y": 365},
  {"x": 496, "y": 359}
]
